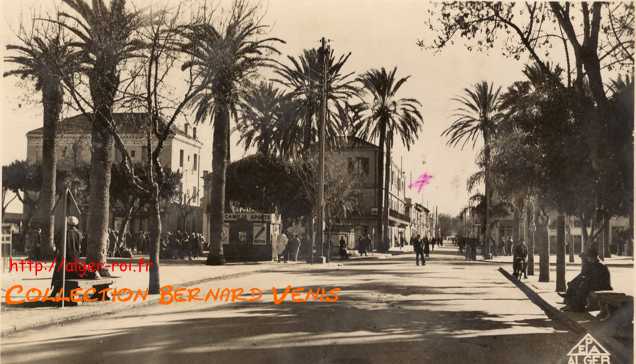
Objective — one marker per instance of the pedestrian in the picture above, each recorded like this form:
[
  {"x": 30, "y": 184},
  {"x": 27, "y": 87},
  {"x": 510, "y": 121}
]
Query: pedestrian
[
  {"x": 501, "y": 247},
  {"x": 519, "y": 255},
  {"x": 285, "y": 242},
  {"x": 36, "y": 244},
  {"x": 419, "y": 251},
  {"x": 509, "y": 246},
  {"x": 427, "y": 248},
  {"x": 343, "y": 249},
  {"x": 73, "y": 250},
  {"x": 365, "y": 241}
]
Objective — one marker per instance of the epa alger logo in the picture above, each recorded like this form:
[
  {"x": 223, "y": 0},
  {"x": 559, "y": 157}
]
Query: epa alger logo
[{"x": 588, "y": 351}]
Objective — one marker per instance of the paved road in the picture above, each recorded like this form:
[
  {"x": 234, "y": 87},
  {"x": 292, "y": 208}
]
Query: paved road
[{"x": 389, "y": 311}]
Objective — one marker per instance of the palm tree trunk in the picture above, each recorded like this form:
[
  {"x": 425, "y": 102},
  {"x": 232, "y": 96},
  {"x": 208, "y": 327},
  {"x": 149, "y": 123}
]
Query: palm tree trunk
[
  {"x": 606, "y": 237},
  {"x": 217, "y": 198},
  {"x": 52, "y": 98},
  {"x": 544, "y": 252},
  {"x": 570, "y": 240},
  {"x": 379, "y": 180},
  {"x": 487, "y": 193},
  {"x": 385, "y": 244},
  {"x": 560, "y": 251},
  {"x": 526, "y": 232},
  {"x": 99, "y": 193}
]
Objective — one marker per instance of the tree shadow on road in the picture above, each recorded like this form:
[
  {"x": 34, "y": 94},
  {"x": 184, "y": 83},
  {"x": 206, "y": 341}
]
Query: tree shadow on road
[{"x": 361, "y": 327}]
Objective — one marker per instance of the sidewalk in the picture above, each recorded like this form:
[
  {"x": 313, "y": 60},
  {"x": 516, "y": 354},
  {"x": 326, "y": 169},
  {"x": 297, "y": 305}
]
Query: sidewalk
[
  {"x": 17, "y": 318},
  {"x": 622, "y": 280},
  {"x": 614, "y": 261}
]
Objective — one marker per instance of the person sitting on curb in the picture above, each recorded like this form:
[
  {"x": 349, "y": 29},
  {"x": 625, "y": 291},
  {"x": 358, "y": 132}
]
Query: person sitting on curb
[{"x": 594, "y": 276}]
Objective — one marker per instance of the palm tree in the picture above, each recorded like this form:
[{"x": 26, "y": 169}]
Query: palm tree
[
  {"x": 44, "y": 58},
  {"x": 515, "y": 139},
  {"x": 386, "y": 116},
  {"x": 477, "y": 116},
  {"x": 106, "y": 39},
  {"x": 224, "y": 57},
  {"x": 304, "y": 79},
  {"x": 261, "y": 112}
]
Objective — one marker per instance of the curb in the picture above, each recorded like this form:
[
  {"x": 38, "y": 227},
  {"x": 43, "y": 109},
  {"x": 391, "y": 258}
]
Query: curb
[
  {"x": 573, "y": 326},
  {"x": 551, "y": 311},
  {"x": 100, "y": 310}
]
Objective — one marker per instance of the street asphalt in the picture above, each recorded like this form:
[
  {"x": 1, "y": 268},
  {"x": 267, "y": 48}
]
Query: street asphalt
[{"x": 387, "y": 311}]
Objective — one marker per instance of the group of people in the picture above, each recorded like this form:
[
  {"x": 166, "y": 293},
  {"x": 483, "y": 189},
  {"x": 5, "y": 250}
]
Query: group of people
[
  {"x": 292, "y": 246},
  {"x": 181, "y": 245},
  {"x": 505, "y": 246}
]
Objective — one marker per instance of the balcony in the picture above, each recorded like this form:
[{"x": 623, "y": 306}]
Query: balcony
[{"x": 398, "y": 215}]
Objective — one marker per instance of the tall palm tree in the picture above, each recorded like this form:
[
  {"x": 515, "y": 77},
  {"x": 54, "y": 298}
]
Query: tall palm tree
[
  {"x": 385, "y": 117},
  {"x": 106, "y": 39},
  {"x": 261, "y": 111},
  {"x": 45, "y": 58},
  {"x": 224, "y": 57},
  {"x": 304, "y": 80},
  {"x": 477, "y": 116},
  {"x": 521, "y": 104}
]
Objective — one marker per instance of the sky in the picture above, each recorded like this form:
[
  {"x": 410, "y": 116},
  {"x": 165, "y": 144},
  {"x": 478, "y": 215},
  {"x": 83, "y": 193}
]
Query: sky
[{"x": 378, "y": 33}]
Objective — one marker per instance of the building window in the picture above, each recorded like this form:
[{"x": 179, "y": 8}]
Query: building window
[
  {"x": 185, "y": 127},
  {"x": 181, "y": 158},
  {"x": 194, "y": 132},
  {"x": 132, "y": 154},
  {"x": 362, "y": 166},
  {"x": 194, "y": 165}
]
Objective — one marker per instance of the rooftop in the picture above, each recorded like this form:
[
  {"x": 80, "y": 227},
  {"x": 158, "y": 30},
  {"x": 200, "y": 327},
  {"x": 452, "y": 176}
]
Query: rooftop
[{"x": 127, "y": 123}]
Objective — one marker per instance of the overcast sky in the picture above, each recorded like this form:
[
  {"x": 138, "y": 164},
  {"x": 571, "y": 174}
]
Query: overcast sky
[{"x": 378, "y": 33}]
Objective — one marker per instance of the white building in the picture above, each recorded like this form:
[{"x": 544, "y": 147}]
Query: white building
[{"x": 181, "y": 152}]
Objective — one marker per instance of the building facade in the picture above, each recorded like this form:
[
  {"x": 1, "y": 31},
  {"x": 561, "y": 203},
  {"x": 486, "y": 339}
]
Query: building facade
[
  {"x": 362, "y": 160},
  {"x": 181, "y": 153},
  {"x": 420, "y": 220}
]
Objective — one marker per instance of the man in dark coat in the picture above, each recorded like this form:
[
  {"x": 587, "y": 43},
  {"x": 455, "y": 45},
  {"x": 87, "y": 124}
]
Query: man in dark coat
[
  {"x": 343, "y": 249},
  {"x": 594, "y": 276},
  {"x": 427, "y": 246},
  {"x": 365, "y": 242},
  {"x": 73, "y": 251},
  {"x": 419, "y": 251}
]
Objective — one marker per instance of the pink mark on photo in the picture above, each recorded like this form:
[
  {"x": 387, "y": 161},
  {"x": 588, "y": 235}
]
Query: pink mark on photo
[{"x": 421, "y": 181}]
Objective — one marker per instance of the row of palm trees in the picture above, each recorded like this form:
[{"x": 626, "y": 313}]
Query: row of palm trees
[
  {"x": 96, "y": 41},
  {"x": 283, "y": 122},
  {"x": 536, "y": 157}
]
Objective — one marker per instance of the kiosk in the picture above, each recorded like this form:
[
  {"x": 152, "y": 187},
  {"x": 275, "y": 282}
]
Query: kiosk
[{"x": 251, "y": 236}]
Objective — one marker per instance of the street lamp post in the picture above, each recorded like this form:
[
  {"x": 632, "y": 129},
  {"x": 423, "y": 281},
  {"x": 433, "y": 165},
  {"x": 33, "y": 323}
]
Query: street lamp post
[{"x": 321, "y": 136}]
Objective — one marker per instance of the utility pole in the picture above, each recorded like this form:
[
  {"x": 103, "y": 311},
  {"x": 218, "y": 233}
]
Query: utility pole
[{"x": 321, "y": 136}]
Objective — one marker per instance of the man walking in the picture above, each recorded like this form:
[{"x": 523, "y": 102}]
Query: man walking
[
  {"x": 519, "y": 255},
  {"x": 419, "y": 251}
]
